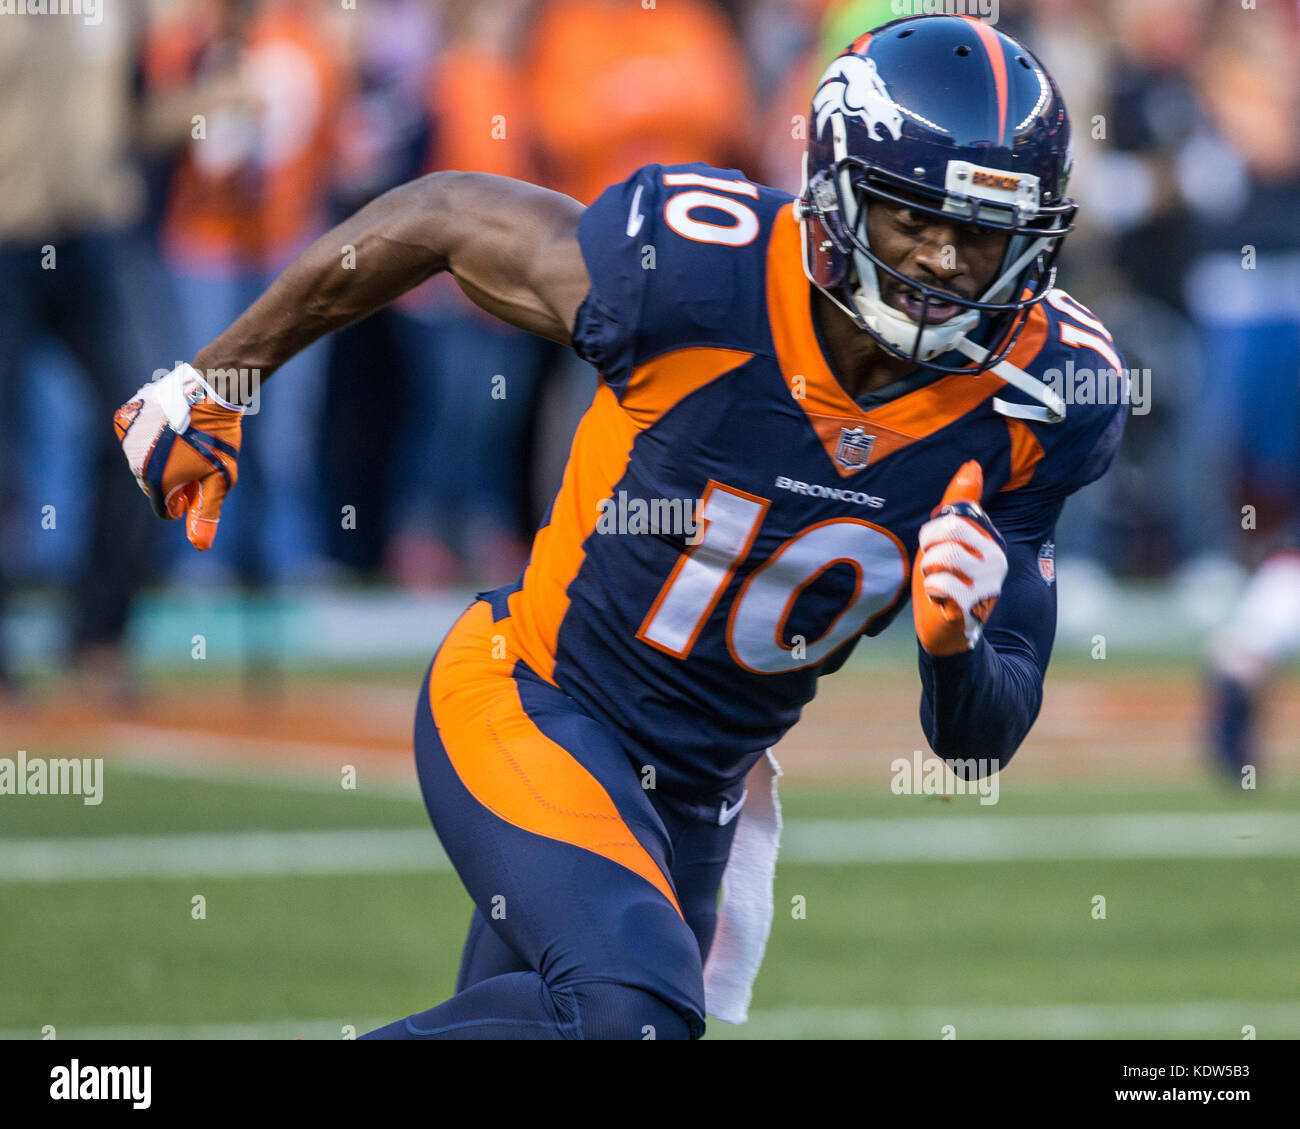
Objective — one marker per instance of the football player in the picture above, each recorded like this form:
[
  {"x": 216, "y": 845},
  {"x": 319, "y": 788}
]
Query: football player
[
  {"x": 1261, "y": 635},
  {"x": 856, "y": 391}
]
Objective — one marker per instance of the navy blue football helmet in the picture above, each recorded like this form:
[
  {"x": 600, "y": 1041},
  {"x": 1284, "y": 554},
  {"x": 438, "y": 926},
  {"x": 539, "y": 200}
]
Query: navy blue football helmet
[{"x": 952, "y": 118}]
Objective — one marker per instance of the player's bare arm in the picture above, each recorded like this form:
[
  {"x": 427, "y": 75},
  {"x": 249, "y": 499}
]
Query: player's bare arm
[{"x": 511, "y": 246}]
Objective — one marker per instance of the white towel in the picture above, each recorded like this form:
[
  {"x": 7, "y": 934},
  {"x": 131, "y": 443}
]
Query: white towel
[{"x": 745, "y": 916}]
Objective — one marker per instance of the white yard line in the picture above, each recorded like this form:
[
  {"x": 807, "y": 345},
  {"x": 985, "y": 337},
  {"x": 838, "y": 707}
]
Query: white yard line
[
  {"x": 1014, "y": 838},
  {"x": 1218, "y": 1019},
  {"x": 970, "y": 839},
  {"x": 241, "y": 854}
]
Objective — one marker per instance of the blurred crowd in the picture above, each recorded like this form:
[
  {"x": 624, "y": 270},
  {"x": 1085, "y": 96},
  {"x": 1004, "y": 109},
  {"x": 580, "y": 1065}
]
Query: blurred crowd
[{"x": 160, "y": 166}]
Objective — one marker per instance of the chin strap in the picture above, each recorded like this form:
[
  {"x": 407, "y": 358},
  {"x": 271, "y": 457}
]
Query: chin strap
[{"x": 1053, "y": 407}]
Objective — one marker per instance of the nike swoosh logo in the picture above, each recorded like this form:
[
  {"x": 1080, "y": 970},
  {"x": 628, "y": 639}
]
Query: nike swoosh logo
[
  {"x": 726, "y": 814},
  {"x": 635, "y": 218}
]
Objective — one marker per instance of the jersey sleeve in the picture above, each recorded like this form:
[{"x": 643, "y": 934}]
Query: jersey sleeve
[
  {"x": 1076, "y": 451},
  {"x": 1069, "y": 463},
  {"x": 676, "y": 257},
  {"x": 982, "y": 703}
]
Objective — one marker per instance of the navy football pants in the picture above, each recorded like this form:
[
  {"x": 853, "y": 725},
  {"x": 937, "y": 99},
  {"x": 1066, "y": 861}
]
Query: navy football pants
[{"x": 595, "y": 896}]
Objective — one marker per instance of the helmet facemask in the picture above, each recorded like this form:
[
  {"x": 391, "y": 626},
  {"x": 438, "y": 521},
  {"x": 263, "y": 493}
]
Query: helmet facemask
[{"x": 835, "y": 209}]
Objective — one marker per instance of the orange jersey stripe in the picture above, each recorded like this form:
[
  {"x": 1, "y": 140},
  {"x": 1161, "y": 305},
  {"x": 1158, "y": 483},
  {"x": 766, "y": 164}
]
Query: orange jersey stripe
[
  {"x": 510, "y": 766},
  {"x": 661, "y": 384},
  {"x": 1026, "y": 451},
  {"x": 598, "y": 459},
  {"x": 601, "y": 448},
  {"x": 812, "y": 384}
]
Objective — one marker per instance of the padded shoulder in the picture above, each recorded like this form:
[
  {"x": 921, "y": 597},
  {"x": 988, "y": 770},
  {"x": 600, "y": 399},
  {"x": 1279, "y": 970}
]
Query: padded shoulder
[{"x": 677, "y": 257}]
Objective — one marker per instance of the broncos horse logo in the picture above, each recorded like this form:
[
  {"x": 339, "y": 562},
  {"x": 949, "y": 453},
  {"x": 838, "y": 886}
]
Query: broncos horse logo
[{"x": 852, "y": 86}]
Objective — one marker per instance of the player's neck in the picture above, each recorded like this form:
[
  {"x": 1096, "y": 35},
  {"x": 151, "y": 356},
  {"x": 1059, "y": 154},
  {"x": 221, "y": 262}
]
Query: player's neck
[{"x": 859, "y": 364}]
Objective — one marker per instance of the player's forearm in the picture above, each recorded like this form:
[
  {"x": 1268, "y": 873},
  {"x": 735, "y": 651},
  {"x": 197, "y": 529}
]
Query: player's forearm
[
  {"x": 980, "y": 704},
  {"x": 391, "y": 245}
]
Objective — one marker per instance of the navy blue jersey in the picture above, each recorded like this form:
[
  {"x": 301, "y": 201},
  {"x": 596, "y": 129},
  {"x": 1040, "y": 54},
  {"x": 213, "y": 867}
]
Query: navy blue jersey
[{"x": 701, "y": 641}]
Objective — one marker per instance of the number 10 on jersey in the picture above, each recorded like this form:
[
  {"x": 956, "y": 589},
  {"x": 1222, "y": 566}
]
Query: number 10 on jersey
[{"x": 731, "y": 520}]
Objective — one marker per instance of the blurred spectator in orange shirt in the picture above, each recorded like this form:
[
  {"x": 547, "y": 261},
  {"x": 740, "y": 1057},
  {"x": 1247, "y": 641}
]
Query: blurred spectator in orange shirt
[
  {"x": 614, "y": 86},
  {"x": 250, "y": 188},
  {"x": 477, "y": 97},
  {"x": 249, "y": 191}
]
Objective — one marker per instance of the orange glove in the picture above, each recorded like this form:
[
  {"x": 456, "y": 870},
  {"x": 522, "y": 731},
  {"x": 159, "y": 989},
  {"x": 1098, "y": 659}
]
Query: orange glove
[
  {"x": 959, "y": 569},
  {"x": 181, "y": 441}
]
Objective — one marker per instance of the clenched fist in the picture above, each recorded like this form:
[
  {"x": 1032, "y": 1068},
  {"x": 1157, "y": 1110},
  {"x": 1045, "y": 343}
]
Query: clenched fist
[
  {"x": 181, "y": 441},
  {"x": 959, "y": 569}
]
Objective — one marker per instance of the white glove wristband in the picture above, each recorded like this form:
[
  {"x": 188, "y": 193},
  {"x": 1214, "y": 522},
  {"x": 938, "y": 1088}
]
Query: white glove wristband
[{"x": 180, "y": 390}]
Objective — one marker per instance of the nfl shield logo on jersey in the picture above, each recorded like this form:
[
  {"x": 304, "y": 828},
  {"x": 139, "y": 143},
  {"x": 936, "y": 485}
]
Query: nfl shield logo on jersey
[
  {"x": 854, "y": 448},
  {"x": 1047, "y": 561}
]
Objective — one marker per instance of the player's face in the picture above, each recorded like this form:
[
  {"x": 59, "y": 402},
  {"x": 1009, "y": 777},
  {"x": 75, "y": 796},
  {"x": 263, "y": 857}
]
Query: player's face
[{"x": 960, "y": 259}]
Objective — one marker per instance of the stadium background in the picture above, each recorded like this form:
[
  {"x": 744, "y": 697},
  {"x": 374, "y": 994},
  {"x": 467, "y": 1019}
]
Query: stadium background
[{"x": 233, "y": 696}]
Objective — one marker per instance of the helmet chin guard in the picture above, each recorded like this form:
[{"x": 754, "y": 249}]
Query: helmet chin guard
[
  {"x": 894, "y": 328},
  {"x": 900, "y": 332}
]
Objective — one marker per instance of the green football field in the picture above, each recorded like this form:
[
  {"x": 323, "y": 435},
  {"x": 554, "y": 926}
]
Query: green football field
[{"x": 325, "y": 911}]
